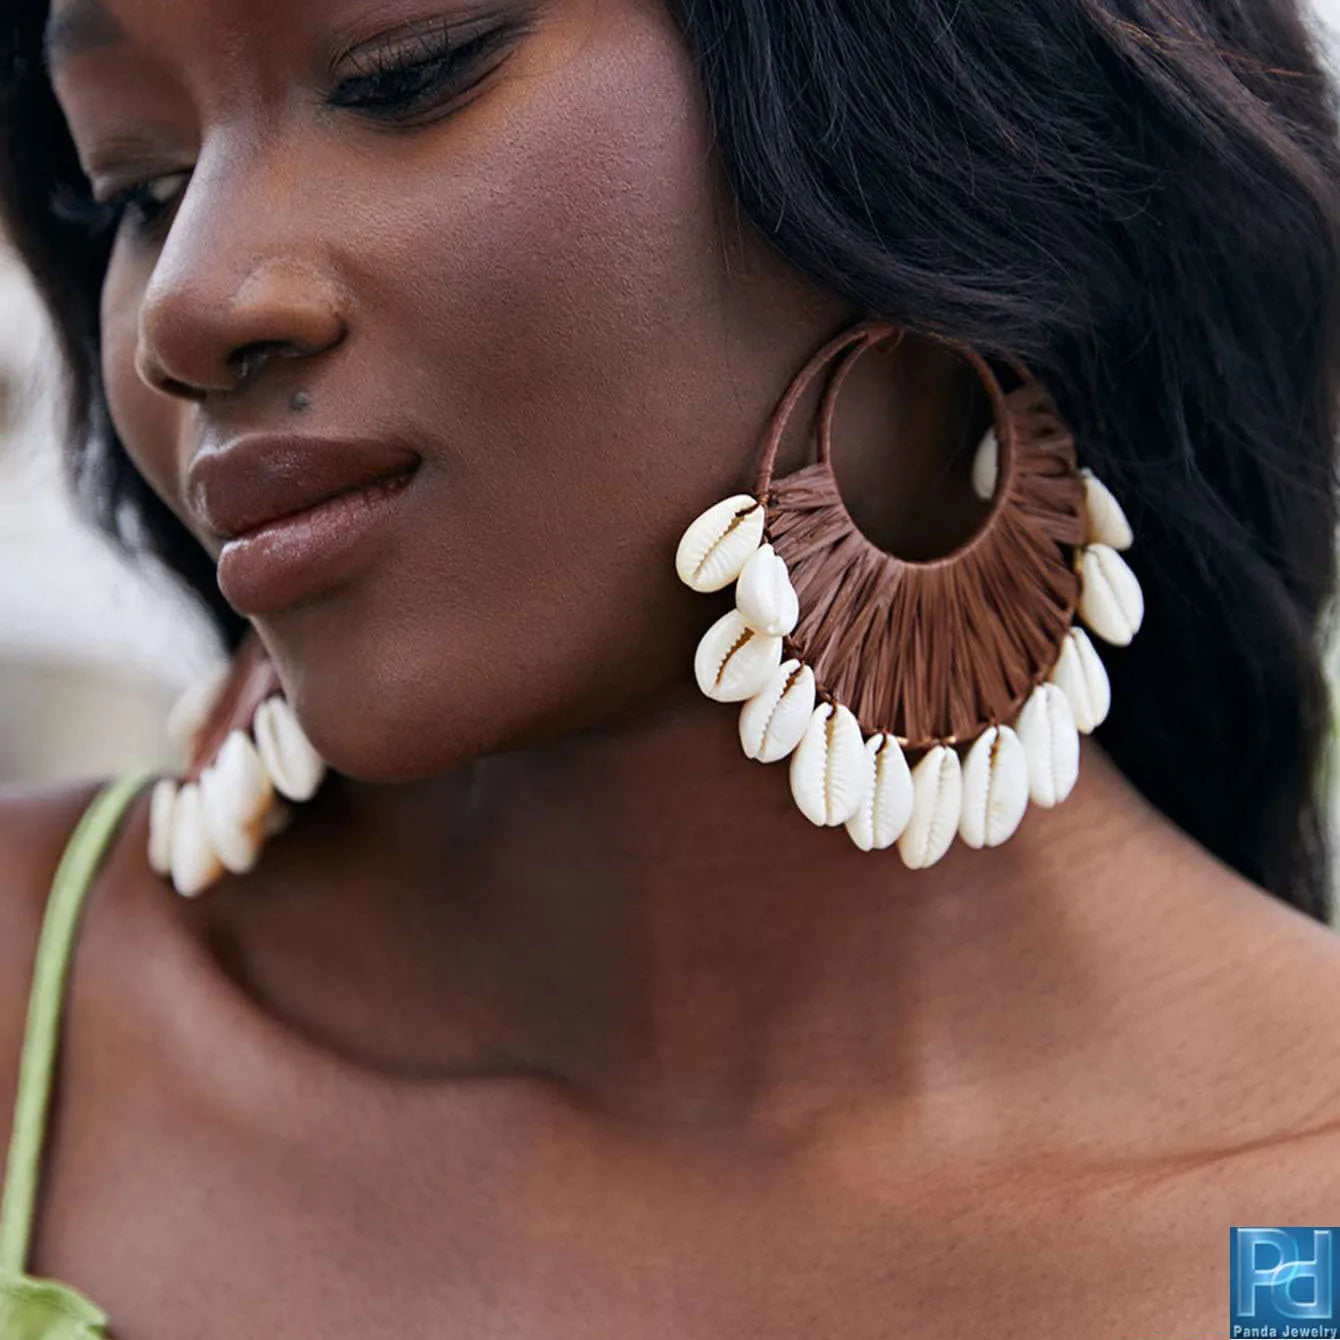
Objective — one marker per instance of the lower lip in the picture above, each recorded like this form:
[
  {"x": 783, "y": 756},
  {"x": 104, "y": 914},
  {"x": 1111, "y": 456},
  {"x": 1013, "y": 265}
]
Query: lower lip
[{"x": 296, "y": 557}]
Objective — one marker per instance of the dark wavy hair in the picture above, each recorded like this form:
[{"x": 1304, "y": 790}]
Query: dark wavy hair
[{"x": 1136, "y": 197}]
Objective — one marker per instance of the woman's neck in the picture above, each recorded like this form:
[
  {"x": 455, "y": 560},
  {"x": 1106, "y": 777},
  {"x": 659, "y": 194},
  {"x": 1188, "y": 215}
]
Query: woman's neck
[{"x": 644, "y": 916}]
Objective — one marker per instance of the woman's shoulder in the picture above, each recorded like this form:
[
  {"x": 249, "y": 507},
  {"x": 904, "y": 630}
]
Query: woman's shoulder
[{"x": 36, "y": 823}]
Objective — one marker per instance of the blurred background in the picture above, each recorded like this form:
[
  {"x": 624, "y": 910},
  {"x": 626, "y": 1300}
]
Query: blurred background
[{"x": 93, "y": 650}]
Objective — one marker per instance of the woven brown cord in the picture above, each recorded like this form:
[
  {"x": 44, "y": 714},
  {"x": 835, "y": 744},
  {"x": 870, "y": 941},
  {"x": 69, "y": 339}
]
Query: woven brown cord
[
  {"x": 867, "y": 332},
  {"x": 252, "y": 678},
  {"x": 932, "y": 652},
  {"x": 828, "y": 410}
]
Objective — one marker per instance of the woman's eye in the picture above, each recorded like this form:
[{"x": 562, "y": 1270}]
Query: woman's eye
[
  {"x": 393, "y": 82},
  {"x": 143, "y": 204},
  {"x": 397, "y": 81},
  {"x": 146, "y": 202}
]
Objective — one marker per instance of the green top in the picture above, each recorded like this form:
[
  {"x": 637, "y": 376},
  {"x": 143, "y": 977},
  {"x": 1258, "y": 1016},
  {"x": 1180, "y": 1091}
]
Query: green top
[{"x": 31, "y": 1308}]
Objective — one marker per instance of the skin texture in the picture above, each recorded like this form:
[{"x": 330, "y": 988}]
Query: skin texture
[{"x": 551, "y": 1017}]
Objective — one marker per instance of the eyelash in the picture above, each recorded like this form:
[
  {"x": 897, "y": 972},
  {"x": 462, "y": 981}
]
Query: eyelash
[
  {"x": 396, "y": 84},
  {"x": 391, "y": 86},
  {"x": 98, "y": 218}
]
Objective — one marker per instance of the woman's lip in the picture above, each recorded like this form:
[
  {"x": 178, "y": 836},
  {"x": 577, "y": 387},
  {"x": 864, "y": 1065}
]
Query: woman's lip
[{"x": 297, "y": 556}]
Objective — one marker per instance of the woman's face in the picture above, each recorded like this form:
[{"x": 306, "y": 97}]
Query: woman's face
[{"x": 487, "y": 233}]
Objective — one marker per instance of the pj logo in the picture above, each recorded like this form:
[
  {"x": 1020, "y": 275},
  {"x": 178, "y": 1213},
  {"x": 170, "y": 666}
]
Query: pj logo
[{"x": 1283, "y": 1282}]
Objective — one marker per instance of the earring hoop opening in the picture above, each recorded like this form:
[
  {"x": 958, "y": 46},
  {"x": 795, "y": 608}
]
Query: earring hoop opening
[{"x": 933, "y": 651}]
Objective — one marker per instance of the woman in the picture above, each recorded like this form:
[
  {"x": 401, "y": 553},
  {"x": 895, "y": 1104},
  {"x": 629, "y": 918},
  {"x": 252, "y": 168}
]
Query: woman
[{"x": 549, "y": 1014}]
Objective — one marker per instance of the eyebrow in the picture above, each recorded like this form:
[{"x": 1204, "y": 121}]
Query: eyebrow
[{"x": 83, "y": 25}]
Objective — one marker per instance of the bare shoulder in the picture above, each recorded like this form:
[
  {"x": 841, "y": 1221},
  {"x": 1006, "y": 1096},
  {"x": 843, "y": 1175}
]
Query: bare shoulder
[
  {"x": 1285, "y": 1024},
  {"x": 35, "y": 825},
  {"x": 1277, "y": 1030}
]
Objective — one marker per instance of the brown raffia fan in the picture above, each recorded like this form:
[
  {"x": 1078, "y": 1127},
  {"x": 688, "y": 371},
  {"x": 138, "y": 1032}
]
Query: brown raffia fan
[{"x": 848, "y": 658}]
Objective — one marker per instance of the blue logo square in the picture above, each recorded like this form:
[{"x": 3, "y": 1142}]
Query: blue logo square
[{"x": 1284, "y": 1282}]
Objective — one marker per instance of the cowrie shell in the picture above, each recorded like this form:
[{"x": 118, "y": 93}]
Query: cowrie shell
[
  {"x": 714, "y": 549},
  {"x": 240, "y": 768},
  {"x": 195, "y": 864},
  {"x": 830, "y": 770},
  {"x": 1080, "y": 675},
  {"x": 733, "y": 662},
  {"x": 1046, "y": 725},
  {"x": 937, "y": 804},
  {"x": 235, "y": 791},
  {"x": 238, "y": 843},
  {"x": 995, "y": 788},
  {"x": 295, "y": 768},
  {"x": 986, "y": 465},
  {"x": 773, "y": 721},
  {"x": 1110, "y": 601},
  {"x": 192, "y": 708},
  {"x": 161, "y": 802},
  {"x": 887, "y": 807},
  {"x": 1105, "y": 521},
  {"x": 764, "y": 594}
]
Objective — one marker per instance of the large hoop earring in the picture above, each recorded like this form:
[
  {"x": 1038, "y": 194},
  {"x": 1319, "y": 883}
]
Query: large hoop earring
[
  {"x": 247, "y": 758},
  {"x": 849, "y": 659}
]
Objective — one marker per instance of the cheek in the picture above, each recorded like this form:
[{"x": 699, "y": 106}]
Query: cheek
[
  {"x": 147, "y": 423},
  {"x": 559, "y": 294}
]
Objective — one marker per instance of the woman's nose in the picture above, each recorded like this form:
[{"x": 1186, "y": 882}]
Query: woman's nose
[{"x": 229, "y": 292}]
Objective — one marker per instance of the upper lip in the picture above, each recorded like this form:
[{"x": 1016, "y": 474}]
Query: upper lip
[{"x": 259, "y": 478}]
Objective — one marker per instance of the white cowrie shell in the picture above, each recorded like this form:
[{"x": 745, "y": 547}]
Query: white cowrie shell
[
  {"x": 237, "y": 841},
  {"x": 715, "y": 547},
  {"x": 773, "y": 721},
  {"x": 1110, "y": 599},
  {"x": 733, "y": 662},
  {"x": 830, "y": 770},
  {"x": 195, "y": 864},
  {"x": 1080, "y": 675},
  {"x": 995, "y": 788},
  {"x": 986, "y": 465},
  {"x": 191, "y": 710},
  {"x": 765, "y": 596},
  {"x": 295, "y": 768},
  {"x": 235, "y": 792},
  {"x": 161, "y": 802},
  {"x": 937, "y": 804},
  {"x": 249, "y": 787},
  {"x": 1046, "y": 725},
  {"x": 1105, "y": 521},
  {"x": 887, "y": 807}
]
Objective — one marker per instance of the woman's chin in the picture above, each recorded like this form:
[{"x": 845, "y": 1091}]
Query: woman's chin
[{"x": 365, "y": 748}]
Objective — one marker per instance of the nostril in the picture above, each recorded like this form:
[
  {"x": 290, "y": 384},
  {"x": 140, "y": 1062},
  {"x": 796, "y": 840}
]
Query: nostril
[{"x": 249, "y": 357}]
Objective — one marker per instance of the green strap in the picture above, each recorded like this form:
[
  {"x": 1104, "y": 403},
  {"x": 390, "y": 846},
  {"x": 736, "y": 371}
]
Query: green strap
[{"x": 75, "y": 873}]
